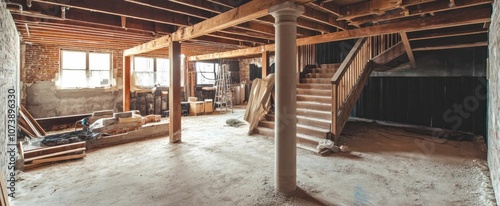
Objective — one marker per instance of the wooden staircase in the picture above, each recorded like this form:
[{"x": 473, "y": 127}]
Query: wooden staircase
[{"x": 317, "y": 112}]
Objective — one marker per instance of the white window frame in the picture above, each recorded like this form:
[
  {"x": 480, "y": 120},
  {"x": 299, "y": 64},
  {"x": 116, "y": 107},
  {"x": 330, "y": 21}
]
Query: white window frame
[
  {"x": 201, "y": 71},
  {"x": 88, "y": 70},
  {"x": 154, "y": 73}
]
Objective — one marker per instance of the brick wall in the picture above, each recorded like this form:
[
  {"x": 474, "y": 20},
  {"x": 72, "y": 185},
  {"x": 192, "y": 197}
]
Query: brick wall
[
  {"x": 494, "y": 100},
  {"x": 40, "y": 71},
  {"x": 9, "y": 73},
  {"x": 245, "y": 67}
]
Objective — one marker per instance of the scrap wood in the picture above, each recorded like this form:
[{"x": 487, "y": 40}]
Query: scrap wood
[
  {"x": 26, "y": 131},
  {"x": 30, "y": 125},
  {"x": 4, "y": 200},
  {"x": 33, "y": 121},
  {"x": 55, "y": 154},
  {"x": 48, "y": 150},
  {"x": 259, "y": 101},
  {"x": 61, "y": 158}
]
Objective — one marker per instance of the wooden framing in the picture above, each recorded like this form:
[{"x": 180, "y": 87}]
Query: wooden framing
[
  {"x": 127, "y": 60},
  {"x": 409, "y": 52},
  {"x": 244, "y": 13},
  {"x": 459, "y": 18},
  {"x": 175, "y": 92}
]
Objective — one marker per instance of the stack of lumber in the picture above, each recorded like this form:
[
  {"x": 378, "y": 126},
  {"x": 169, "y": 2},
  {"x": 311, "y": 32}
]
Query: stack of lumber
[
  {"x": 29, "y": 125},
  {"x": 46, "y": 155}
]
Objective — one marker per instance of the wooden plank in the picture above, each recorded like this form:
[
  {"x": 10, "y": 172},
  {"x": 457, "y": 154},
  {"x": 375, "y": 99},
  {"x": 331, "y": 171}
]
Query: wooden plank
[
  {"x": 127, "y": 60},
  {"x": 26, "y": 131},
  {"x": 265, "y": 64},
  {"x": 249, "y": 11},
  {"x": 33, "y": 121},
  {"x": 409, "y": 52},
  {"x": 4, "y": 199},
  {"x": 471, "y": 16},
  {"x": 175, "y": 93},
  {"x": 30, "y": 125},
  {"x": 54, "y": 154},
  {"x": 56, "y": 159},
  {"x": 453, "y": 46},
  {"x": 54, "y": 149},
  {"x": 389, "y": 54}
]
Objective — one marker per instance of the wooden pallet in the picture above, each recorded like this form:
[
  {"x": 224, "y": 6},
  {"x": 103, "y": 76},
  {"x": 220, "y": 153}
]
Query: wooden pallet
[{"x": 46, "y": 155}]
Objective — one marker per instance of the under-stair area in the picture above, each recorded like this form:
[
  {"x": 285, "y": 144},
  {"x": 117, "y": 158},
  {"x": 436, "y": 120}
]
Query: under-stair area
[{"x": 318, "y": 113}]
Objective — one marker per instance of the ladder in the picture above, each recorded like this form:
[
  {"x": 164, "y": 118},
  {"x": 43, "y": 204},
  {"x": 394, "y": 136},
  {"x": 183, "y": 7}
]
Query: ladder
[{"x": 223, "y": 93}]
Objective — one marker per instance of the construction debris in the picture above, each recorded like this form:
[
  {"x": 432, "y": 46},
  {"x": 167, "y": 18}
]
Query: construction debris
[
  {"x": 259, "y": 102},
  {"x": 327, "y": 147},
  {"x": 29, "y": 125},
  {"x": 234, "y": 122},
  {"x": 46, "y": 155}
]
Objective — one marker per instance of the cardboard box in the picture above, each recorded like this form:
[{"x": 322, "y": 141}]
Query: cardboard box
[
  {"x": 196, "y": 108},
  {"x": 208, "y": 106}
]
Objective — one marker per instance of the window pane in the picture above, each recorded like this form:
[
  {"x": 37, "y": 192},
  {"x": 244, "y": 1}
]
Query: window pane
[
  {"x": 73, "y": 60},
  {"x": 143, "y": 64},
  {"x": 74, "y": 78},
  {"x": 204, "y": 67},
  {"x": 99, "y": 78},
  {"x": 163, "y": 72},
  {"x": 145, "y": 79},
  {"x": 99, "y": 61},
  {"x": 205, "y": 78}
]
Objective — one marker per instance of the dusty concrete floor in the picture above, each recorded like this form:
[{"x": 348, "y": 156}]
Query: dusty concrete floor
[{"x": 220, "y": 165}]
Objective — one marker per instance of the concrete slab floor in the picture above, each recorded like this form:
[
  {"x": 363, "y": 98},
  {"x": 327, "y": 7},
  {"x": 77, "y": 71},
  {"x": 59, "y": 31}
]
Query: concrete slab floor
[{"x": 221, "y": 165}]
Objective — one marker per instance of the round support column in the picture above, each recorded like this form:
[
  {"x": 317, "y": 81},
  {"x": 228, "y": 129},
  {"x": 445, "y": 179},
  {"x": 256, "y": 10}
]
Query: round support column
[{"x": 286, "y": 85}]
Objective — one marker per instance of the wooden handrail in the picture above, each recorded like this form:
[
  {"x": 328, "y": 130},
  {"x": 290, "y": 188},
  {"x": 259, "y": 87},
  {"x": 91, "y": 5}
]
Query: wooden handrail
[
  {"x": 355, "y": 70},
  {"x": 347, "y": 61}
]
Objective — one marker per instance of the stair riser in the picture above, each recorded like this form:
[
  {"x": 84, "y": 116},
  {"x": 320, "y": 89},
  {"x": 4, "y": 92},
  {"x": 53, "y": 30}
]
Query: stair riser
[
  {"x": 312, "y": 114},
  {"x": 319, "y": 75},
  {"x": 320, "y": 107},
  {"x": 317, "y": 80},
  {"x": 300, "y": 129},
  {"x": 326, "y": 100},
  {"x": 323, "y": 70},
  {"x": 313, "y": 123},
  {"x": 315, "y": 86},
  {"x": 302, "y": 143},
  {"x": 317, "y": 92}
]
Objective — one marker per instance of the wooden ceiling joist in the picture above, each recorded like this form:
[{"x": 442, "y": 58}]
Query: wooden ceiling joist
[
  {"x": 444, "y": 20},
  {"x": 452, "y": 46},
  {"x": 422, "y": 9},
  {"x": 244, "y": 13}
]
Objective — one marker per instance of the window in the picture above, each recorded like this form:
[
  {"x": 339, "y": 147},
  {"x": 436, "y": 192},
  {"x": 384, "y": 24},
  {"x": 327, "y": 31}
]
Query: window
[
  {"x": 206, "y": 73},
  {"x": 80, "y": 69},
  {"x": 151, "y": 71}
]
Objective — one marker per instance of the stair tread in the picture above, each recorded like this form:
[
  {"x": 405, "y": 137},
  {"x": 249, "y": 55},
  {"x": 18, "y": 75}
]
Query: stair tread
[
  {"x": 314, "y": 96},
  {"x": 314, "y": 119},
  {"x": 301, "y": 126},
  {"x": 318, "y": 103}
]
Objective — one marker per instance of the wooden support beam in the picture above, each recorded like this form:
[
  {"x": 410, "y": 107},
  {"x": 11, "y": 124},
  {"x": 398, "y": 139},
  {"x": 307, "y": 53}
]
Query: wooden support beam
[
  {"x": 244, "y": 13},
  {"x": 437, "y": 6},
  {"x": 159, "y": 43},
  {"x": 265, "y": 64},
  {"x": 126, "y": 82},
  {"x": 174, "y": 93},
  {"x": 327, "y": 7},
  {"x": 452, "y": 46},
  {"x": 409, "y": 52},
  {"x": 471, "y": 16}
]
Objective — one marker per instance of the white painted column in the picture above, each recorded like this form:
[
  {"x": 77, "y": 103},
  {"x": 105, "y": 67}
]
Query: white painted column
[{"x": 286, "y": 85}]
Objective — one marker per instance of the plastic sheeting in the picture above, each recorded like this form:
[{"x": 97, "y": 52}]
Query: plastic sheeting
[{"x": 259, "y": 101}]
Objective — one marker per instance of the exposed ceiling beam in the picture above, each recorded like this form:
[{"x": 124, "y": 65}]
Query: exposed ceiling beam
[
  {"x": 375, "y": 7},
  {"x": 433, "y": 7},
  {"x": 473, "y": 16},
  {"x": 244, "y": 13},
  {"x": 407, "y": 46},
  {"x": 452, "y": 46},
  {"x": 327, "y": 7},
  {"x": 449, "y": 32}
]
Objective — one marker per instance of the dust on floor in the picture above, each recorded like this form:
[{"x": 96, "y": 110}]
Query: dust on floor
[{"x": 222, "y": 165}]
